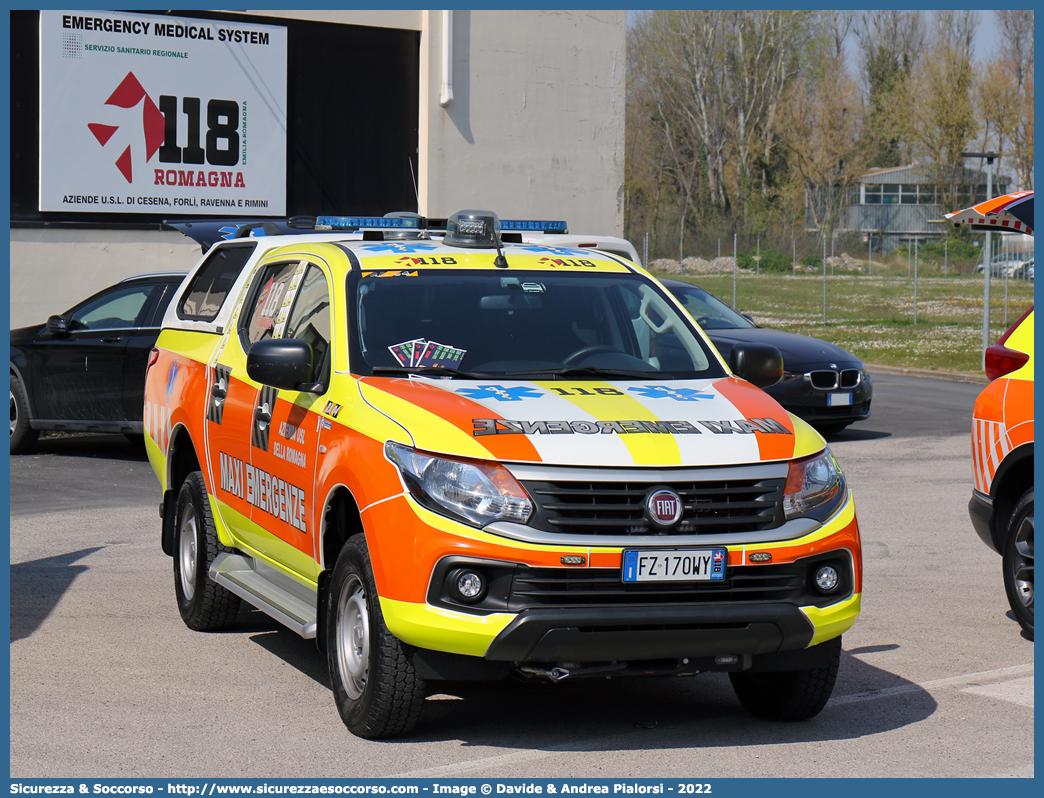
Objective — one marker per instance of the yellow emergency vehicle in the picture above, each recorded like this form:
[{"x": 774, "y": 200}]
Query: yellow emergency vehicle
[{"x": 443, "y": 453}]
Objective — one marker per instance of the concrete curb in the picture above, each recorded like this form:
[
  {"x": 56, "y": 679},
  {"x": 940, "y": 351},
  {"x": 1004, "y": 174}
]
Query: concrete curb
[{"x": 952, "y": 376}]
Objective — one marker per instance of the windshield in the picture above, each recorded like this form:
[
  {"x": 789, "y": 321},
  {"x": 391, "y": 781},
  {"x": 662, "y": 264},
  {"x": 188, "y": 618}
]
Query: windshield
[
  {"x": 529, "y": 325},
  {"x": 709, "y": 311}
]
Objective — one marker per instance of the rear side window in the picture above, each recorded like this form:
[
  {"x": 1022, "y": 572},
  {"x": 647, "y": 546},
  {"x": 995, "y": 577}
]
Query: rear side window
[{"x": 209, "y": 288}]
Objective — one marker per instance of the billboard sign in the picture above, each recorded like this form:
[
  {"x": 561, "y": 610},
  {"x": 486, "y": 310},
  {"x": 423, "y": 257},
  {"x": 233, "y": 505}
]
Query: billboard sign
[{"x": 161, "y": 114}]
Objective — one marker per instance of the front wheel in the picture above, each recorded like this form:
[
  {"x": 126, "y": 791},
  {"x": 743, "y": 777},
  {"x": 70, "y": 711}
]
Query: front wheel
[
  {"x": 377, "y": 691},
  {"x": 826, "y": 430},
  {"x": 1018, "y": 563},
  {"x": 205, "y": 606},
  {"x": 22, "y": 435},
  {"x": 787, "y": 695}
]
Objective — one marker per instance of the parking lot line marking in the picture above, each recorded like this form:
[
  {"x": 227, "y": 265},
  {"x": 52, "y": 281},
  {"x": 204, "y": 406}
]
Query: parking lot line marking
[
  {"x": 951, "y": 681},
  {"x": 1017, "y": 691},
  {"x": 1019, "y": 672}
]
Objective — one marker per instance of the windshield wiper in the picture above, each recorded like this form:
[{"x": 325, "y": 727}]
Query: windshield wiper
[
  {"x": 431, "y": 371},
  {"x": 572, "y": 372}
]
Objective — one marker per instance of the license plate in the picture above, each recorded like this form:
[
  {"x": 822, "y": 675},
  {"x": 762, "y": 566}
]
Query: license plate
[
  {"x": 674, "y": 565},
  {"x": 839, "y": 399}
]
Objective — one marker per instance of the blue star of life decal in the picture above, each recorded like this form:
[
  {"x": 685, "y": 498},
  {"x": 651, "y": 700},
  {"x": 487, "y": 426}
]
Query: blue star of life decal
[
  {"x": 540, "y": 249},
  {"x": 500, "y": 393},
  {"x": 172, "y": 374},
  {"x": 666, "y": 392},
  {"x": 228, "y": 232},
  {"x": 398, "y": 246}
]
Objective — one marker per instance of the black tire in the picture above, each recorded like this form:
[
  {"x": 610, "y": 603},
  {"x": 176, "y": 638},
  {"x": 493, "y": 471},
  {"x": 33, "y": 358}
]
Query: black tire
[
  {"x": 22, "y": 435},
  {"x": 826, "y": 430},
  {"x": 205, "y": 606},
  {"x": 1018, "y": 563},
  {"x": 377, "y": 691},
  {"x": 786, "y": 695}
]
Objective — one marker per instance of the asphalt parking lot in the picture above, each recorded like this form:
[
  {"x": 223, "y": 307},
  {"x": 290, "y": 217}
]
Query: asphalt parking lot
[{"x": 936, "y": 679}]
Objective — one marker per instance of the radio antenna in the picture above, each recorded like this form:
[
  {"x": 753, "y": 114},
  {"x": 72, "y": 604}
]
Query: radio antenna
[{"x": 416, "y": 190}]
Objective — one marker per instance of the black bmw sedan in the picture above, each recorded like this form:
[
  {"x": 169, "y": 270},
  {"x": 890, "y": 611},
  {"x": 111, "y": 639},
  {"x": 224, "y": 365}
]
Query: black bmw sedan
[
  {"x": 84, "y": 370},
  {"x": 822, "y": 383}
]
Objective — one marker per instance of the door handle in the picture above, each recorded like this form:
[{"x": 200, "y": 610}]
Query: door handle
[
  {"x": 217, "y": 391},
  {"x": 113, "y": 340},
  {"x": 262, "y": 415}
]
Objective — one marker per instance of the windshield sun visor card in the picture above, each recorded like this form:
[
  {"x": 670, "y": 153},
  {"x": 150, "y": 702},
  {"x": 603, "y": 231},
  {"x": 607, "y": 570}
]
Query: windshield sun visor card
[{"x": 436, "y": 354}]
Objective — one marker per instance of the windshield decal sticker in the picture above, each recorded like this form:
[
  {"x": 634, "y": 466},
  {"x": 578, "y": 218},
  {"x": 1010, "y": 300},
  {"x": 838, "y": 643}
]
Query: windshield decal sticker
[
  {"x": 500, "y": 393},
  {"x": 392, "y": 273},
  {"x": 503, "y": 426},
  {"x": 666, "y": 392}
]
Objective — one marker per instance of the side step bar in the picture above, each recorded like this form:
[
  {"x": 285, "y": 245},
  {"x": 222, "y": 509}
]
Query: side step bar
[{"x": 287, "y": 600}]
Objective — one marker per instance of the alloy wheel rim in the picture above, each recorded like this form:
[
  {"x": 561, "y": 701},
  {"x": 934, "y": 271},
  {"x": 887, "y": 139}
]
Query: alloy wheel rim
[
  {"x": 187, "y": 552},
  {"x": 353, "y": 637},
  {"x": 14, "y": 413},
  {"x": 1024, "y": 562}
]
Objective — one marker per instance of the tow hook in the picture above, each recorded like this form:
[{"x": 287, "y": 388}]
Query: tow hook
[
  {"x": 555, "y": 674},
  {"x": 558, "y": 673}
]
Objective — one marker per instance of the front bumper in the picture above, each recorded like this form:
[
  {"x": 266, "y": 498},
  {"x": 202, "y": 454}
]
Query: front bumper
[
  {"x": 800, "y": 398},
  {"x": 602, "y": 625},
  {"x": 643, "y": 633}
]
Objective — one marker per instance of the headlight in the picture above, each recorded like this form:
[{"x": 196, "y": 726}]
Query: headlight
[
  {"x": 475, "y": 492},
  {"x": 815, "y": 487}
]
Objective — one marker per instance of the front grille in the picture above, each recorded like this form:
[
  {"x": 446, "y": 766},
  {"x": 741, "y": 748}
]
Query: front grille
[
  {"x": 618, "y": 508},
  {"x": 600, "y": 587},
  {"x": 829, "y": 380}
]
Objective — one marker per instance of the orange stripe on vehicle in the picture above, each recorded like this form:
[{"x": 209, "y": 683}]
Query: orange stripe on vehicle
[
  {"x": 758, "y": 404},
  {"x": 459, "y": 411}
]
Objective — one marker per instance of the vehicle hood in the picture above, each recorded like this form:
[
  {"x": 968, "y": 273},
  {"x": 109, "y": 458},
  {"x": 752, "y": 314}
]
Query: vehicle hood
[
  {"x": 798, "y": 350},
  {"x": 590, "y": 423},
  {"x": 24, "y": 335}
]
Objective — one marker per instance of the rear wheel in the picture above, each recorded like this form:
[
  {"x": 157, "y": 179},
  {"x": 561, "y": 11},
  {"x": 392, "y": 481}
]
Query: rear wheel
[
  {"x": 1018, "y": 563},
  {"x": 22, "y": 435},
  {"x": 377, "y": 692},
  {"x": 204, "y": 605},
  {"x": 787, "y": 695}
]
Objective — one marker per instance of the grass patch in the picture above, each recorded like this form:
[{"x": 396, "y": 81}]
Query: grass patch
[{"x": 874, "y": 317}]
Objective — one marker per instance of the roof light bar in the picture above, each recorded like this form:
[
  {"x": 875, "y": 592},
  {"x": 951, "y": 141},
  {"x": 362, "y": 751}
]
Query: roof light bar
[
  {"x": 367, "y": 223},
  {"x": 525, "y": 225}
]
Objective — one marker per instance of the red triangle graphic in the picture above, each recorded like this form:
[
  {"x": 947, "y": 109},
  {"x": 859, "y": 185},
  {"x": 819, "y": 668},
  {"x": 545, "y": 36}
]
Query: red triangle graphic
[
  {"x": 102, "y": 132},
  {"x": 128, "y": 93},
  {"x": 123, "y": 163}
]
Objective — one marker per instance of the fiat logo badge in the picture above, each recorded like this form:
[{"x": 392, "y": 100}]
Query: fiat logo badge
[{"x": 665, "y": 507}]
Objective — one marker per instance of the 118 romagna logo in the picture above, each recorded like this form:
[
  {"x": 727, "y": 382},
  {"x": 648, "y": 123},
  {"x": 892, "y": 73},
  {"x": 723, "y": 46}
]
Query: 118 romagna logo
[{"x": 219, "y": 146}]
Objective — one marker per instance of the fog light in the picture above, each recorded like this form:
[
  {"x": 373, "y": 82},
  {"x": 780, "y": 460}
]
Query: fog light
[
  {"x": 466, "y": 585},
  {"x": 827, "y": 578},
  {"x": 470, "y": 585}
]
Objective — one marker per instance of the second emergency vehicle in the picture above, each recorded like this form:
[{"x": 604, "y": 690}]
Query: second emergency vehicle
[{"x": 464, "y": 458}]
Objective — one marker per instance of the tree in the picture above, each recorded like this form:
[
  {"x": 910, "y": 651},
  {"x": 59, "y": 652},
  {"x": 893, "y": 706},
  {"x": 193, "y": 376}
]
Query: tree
[
  {"x": 890, "y": 44},
  {"x": 820, "y": 122},
  {"x": 1016, "y": 27}
]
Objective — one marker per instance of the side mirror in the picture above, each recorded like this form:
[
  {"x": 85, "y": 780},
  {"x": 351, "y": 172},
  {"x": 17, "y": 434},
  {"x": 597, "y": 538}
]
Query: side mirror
[
  {"x": 284, "y": 363},
  {"x": 57, "y": 326},
  {"x": 759, "y": 364}
]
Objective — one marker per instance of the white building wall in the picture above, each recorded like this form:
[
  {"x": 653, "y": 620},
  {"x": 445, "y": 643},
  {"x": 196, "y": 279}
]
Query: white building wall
[
  {"x": 536, "y": 125},
  {"x": 535, "y": 130}
]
